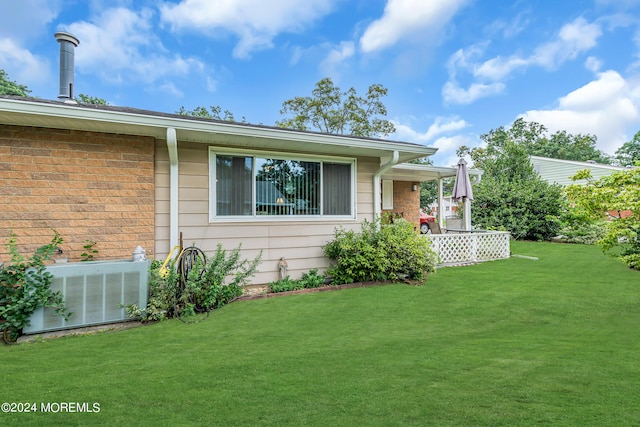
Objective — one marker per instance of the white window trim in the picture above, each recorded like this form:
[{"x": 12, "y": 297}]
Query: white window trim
[{"x": 213, "y": 151}]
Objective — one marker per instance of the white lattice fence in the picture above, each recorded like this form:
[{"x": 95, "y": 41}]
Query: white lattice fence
[{"x": 471, "y": 247}]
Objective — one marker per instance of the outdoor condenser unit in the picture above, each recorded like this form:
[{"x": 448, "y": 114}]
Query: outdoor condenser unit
[{"x": 94, "y": 292}]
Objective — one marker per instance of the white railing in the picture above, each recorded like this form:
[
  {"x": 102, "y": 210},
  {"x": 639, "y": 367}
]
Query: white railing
[{"x": 471, "y": 247}]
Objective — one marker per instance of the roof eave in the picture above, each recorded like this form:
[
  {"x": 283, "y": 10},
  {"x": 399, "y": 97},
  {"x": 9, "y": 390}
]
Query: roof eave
[{"x": 27, "y": 112}]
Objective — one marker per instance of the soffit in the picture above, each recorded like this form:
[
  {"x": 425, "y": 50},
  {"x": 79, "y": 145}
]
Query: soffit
[{"x": 419, "y": 173}]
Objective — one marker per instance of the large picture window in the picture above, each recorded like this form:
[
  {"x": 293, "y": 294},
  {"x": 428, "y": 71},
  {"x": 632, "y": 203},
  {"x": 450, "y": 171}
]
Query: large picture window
[{"x": 256, "y": 185}]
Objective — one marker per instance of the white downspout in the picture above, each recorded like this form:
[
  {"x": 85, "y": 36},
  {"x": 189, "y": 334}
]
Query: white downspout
[
  {"x": 172, "y": 145},
  {"x": 376, "y": 182}
]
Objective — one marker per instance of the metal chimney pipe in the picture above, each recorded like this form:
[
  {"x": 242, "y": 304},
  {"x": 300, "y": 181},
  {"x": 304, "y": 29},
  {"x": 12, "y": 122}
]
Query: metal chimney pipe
[{"x": 68, "y": 43}]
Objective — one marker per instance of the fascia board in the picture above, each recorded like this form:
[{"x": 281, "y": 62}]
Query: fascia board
[{"x": 156, "y": 126}]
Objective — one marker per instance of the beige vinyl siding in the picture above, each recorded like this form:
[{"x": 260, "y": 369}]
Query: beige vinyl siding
[
  {"x": 299, "y": 242},
  {"x": 559, "y": 171}
]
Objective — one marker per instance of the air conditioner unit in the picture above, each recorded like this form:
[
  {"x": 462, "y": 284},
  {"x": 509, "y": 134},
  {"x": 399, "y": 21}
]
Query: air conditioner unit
[{"x": 95, "y": 292}]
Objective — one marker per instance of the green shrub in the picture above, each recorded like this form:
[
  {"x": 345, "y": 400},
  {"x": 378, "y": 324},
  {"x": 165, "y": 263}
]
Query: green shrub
[
  {"x": 583, "y": 233},
  {"x": 285, "y": 285},
  {"x": 25, "y": 286},
  {"x": 312, "y": 279},
  {"x": 308, "y": 280},
  {"x": 205, "y": 287},
  {"x": 388, "y": 251}
]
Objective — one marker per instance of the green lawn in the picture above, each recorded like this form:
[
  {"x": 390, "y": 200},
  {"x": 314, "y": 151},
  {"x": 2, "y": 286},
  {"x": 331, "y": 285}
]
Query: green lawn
[{"x": 554, "y": 341}]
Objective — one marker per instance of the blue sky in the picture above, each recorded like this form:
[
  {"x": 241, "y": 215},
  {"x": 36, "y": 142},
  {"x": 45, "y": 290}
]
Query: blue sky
[{"x": 455, "y": 69}]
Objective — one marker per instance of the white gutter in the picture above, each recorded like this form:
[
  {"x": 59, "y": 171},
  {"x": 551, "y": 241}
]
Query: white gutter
[
  {"x": 153, "y": 124},
  {"x": 172, "y": 145},
  {"x": 376, "y": 182}
]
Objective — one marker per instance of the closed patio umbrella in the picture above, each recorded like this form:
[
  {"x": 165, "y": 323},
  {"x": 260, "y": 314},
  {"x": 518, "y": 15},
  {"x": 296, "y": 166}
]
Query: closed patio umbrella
[{"x": 462, "y": 191}]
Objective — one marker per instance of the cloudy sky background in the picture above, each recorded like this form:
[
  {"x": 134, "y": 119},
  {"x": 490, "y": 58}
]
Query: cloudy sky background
[{"x": 455, "y": 69}]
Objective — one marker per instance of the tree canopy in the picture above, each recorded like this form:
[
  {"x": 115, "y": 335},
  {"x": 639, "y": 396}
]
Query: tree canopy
[
  {"x": 535, "y": 140},
  {"x": 617, "y": 196},
  {"x": 91, "y": 100},
  {"x": 213, "y": 112},
  {"x": 10, "y": 87},
  {"x": 629, "y": 153},
  {"x": 511, "y": 195},
  {"x": 331, "y": 110}
]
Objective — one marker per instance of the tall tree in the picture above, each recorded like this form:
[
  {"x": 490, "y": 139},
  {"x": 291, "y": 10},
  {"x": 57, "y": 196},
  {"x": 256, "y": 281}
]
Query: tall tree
[
  {"x": 10, "y": 87},
  {"x": 511, "y": 195},
  {"x": 213, "y": 112},
  {"x": 91, "y": 100},
  {"x": 562, "y": 145},
  {"x": 629, "y": 153},
  {"x": 535, "y": 140},
  {"x": 619, "y": 194},
  {"x": 330, "y": 110}
]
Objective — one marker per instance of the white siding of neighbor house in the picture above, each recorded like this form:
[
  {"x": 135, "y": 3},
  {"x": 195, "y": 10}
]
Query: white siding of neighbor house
[
  {"x": 299, "y": 242},
  {"x": 560, "y": 171}
]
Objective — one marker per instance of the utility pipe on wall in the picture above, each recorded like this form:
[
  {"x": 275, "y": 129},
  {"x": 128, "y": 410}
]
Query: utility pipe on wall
[
  {"x": 376, "y": 182},
  {"x": 172, "y": 145}
]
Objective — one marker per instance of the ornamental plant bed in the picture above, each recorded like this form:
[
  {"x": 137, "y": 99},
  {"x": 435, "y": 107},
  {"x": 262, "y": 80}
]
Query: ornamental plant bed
[{"x": 313, "y": 290}]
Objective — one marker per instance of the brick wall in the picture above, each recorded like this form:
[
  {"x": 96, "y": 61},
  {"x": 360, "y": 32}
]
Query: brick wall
[
  {"x": 406, "y": 202},
  {"x": 85, "y": 185}
]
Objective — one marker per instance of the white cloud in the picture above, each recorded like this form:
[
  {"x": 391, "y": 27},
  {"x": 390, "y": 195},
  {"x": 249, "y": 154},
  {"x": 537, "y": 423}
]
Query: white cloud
[
  {"x": 120, "y": 45},
  {"x": 465, "y": 59},
  {"x": 440, "y": 125},
  {"x": 22, "y": 66},
  {"x": 408, "y": 20},
  {"x": 336, "y": 58},
  {"x": 499, "y": 68},
  {"x": 452, "y": 93},
  {"x": 574, "y": 38},
  {"x": 608, "y": 107},
  {"x": 593, "y": 64},
  {"x": 447, "y": 147},
  {"x": 444, "y": 133},
  {"x": 254, "y": 22}
]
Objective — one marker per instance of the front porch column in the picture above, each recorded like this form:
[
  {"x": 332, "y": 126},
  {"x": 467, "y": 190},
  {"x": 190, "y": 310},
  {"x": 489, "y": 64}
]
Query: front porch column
[
  {"x": 440, "y": 203},
  {"x": 467, "y": 214}
]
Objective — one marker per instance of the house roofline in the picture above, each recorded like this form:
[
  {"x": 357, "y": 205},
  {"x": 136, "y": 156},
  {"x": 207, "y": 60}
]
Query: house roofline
[
  {"x": 579, "y": 163},
  {"x": 111, "y": 119}
]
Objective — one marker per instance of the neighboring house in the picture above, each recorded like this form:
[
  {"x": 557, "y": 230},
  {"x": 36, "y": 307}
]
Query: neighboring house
[
  {"x": 123, "y": 177},
  {"x": 557, "y": 171}
]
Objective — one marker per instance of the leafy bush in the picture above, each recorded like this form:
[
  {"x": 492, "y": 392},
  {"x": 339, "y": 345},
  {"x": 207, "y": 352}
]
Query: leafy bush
[
  {"x": 619, "y": 193},
  {"x": 25, "y": 286},
  {"x": 312, "y": 279},
  {"x": 285, "y": 285},
  {"x": 308, "y": 280},
  {"x": 528, "y": 209},
  {"x": 205, "y": 288},
  {"x": 583, "y": 233},
  {"x": 388, "y": 251},
  {"x": 512, "y": 196}
]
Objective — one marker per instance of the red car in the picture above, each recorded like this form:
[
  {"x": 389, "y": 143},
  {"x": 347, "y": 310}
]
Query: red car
[{"x": 424, "y": 219}]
